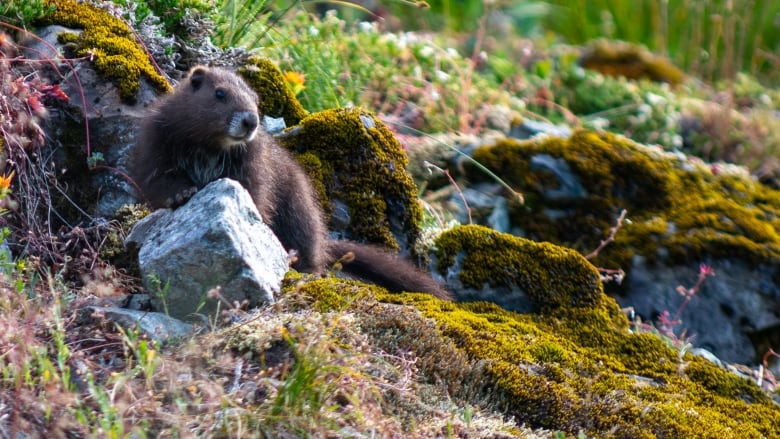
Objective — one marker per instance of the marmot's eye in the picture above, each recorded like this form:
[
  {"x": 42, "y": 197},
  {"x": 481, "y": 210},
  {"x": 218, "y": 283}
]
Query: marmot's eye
[{"x": 220, "y": 94}]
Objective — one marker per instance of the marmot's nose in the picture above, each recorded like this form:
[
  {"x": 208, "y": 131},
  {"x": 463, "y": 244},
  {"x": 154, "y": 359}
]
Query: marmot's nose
[
  {"x": 250, "y": 122},
  {"x": 243, "y": 125}
]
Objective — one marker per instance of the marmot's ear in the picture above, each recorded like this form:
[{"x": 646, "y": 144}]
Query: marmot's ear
[{"x": 197, "y": 75}]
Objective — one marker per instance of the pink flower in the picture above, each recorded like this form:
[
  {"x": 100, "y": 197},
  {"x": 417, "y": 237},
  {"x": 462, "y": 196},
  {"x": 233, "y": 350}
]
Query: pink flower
[{"x": 705, "y": 270}]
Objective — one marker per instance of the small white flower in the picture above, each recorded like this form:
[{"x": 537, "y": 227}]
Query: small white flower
[
  {"x": 600, "y": 123},
  {"x": 442, "y": 76},
  {"x": 366, "y": 26},
  {"x": 426, "y": 51},
  {"x": 654, "y": 99},
  {"x": 403, "y": 40},
  {"x": 517, "y": 103},
  {"x": 677, "y": 141},
  {"x": 435, "y": 95},
  {"x": 765, "y": 99},
  {"x": 313, "y": 31},
  {"x": 452, "y": 52},
  {"x": 417, "y": 71},
  {"x": 645, "y": 110}
]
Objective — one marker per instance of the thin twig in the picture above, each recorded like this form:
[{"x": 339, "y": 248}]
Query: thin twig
[
  {"x": 446, "y": 172},
  {"x": 610, "y": 238}
]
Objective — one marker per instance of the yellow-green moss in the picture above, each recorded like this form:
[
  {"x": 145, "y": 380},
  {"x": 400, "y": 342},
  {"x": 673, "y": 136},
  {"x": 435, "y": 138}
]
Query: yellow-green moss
[
  {"x": 617, "y": 58},
  {"x": 109, "y": 42},
  {"x": 361, "y": 164},
  {"x": 599, "y": 388},
  {"x": 113, "y": 248},
  {"x": 674, "y": 203},
  {"x": 276, "y": 99},
  {"x": 550, "y": 371},
  {"x": 552, "y": 276},
  {"x": 350, "y": 156}
]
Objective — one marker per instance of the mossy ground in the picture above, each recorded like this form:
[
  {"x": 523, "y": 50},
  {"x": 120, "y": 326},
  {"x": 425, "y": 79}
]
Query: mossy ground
[
  {"x": 570, "y": 369},
  {"x": 631, "y": 61},
  {"x": 681, "y": 210}
]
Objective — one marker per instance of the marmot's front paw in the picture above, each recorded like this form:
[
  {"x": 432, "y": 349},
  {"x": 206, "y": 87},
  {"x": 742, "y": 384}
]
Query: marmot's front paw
[{"x": 181, "y": 197}]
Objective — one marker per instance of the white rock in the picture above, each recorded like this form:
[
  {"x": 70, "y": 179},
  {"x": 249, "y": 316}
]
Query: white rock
[{"x": 217, "y": 239}]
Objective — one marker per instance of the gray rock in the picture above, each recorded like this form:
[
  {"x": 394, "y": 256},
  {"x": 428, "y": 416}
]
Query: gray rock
[
  {"x": 156, "y": 326},
  {"x": 531, "y": 128},
  {"x": 740, "y": 298},
  {"x": 569, "y": 186},
  {"x": 113, "y": 123},
  {"x": 274, "y": 125},
  {"x": 215, "y": 243},
  {"x": 139, "y": 302}
]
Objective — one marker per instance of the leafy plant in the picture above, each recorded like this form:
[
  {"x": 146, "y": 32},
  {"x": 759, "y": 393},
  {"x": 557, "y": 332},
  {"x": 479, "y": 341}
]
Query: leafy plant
[{"x": 23, "y": 12}]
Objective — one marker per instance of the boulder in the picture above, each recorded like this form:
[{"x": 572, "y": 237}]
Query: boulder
[
  {"x": 682, "y": 212},
  {"x": 209, "y": 254},
  {"x": 153, "y": 325}
]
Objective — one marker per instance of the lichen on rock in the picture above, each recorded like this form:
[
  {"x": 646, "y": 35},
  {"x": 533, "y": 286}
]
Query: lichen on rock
[
  {"x": 363, "y": 167},
  {"x": 681, "y": 210},
  {"x": 276, "y": 99},
  {"x": 109, "y": 43}
]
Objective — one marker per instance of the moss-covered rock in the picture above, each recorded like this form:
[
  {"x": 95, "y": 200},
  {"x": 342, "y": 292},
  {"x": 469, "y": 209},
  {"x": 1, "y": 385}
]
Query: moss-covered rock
[
  {"x": 356, "y": 164},
  {"x": 109, "y": 43},
  {"x": 276, "y": 99},
  {"x": 681, "y": 210},
  {"x": 574, "y": 368},
  {"x": 632, "y": 61},
  {"x": 545, "y": 276},
  {"x": 363, "y": 172}
]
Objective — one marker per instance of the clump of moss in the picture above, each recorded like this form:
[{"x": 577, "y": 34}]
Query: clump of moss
[
  {"x": 109, "y": 42},
  {"x": 276, "y": 99},
  {"x": 113, "y": 248},
  {"x": 364, "y": 167},
  {"x": 617, "y": 58},
  {"x": 352, "y": 159},
  {"x": 552, "y": 276},
  {"x": 680, "y": 209},
  {"x": 623, "y": 385}
]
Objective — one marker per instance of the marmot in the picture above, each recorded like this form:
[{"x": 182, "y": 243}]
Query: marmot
[{"x": 209, "y": 128}]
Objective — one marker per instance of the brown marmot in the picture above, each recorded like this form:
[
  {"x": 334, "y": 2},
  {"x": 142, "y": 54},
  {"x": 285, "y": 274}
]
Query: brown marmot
[{"x": 209, "y": 128}]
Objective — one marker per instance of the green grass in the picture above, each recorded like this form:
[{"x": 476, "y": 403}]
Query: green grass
[{"x": 713, "y": 39}]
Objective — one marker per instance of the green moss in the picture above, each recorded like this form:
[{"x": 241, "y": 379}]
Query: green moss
[
  {"x": 571, "y": 369},
  {"x": 109, "y": 43},
  {"x": 350, "y": 156},
  {"x": 722, "y": 383},
  {"x": 359, "y": 162},
  {"x": 113, "y": 248},
  {"x": 552, "y": 276},
  {"x": 679, "y": 208},
  {"x": 617, "y": 58},
  {"x": 276, "y": 99},
  {"x": 624, "y": 385}
]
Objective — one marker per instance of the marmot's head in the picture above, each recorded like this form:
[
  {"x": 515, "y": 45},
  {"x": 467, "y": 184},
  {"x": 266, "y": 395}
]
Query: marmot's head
[{"x": 220, "y": 108}]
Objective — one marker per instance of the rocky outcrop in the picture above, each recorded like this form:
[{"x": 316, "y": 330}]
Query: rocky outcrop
[
  {"x": 211, "y": 253},
  {"x": 682, "y": 212}
]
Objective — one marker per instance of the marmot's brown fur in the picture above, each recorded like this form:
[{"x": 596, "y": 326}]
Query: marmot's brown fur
[{"x": 209, "y": 128}]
